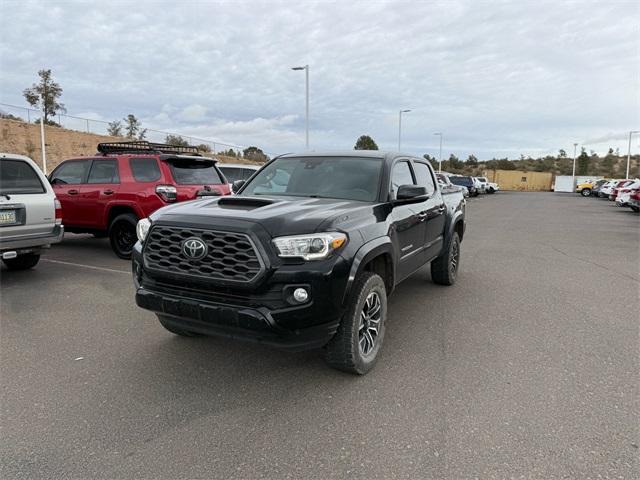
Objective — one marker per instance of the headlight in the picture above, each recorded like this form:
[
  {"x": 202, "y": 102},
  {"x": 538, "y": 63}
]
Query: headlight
[
  {"x": 142, "y": 229},
  {"x": 315, "y": 246}
]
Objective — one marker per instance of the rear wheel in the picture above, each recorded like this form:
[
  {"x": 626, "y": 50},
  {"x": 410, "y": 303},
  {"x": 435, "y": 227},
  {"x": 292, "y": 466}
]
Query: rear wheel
[
  {"x": 165, "y": 322},
  {"x": 635, "y": 209},
  {"x": 444, "y": 269},
  {"x": 356, "y": 344},
  {"x": 586, "y": 192},
  {"x": 122, "y": 234},
  {"x": 491, "y": 190},
  {"x": 22, "y": 262}
]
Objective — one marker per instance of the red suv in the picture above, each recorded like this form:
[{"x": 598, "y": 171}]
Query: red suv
[{"x": 107, "y": 194}]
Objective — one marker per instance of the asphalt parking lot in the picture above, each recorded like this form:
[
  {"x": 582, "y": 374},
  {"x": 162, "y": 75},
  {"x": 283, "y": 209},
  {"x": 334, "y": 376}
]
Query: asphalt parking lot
[{"x": 528, "y": 367}]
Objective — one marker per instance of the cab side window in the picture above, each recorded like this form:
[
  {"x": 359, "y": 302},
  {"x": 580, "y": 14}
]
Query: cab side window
[
  {"x": 72, "y": 172},
  {"x": 424, "y": 177},
  {"x": 400, "y": 175}
]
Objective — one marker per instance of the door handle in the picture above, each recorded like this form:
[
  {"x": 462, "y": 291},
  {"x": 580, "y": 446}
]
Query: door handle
[
  {"x": 423, "y": 216},
  {"x": 73, "y": 192},
  {"x": 441, "y": 209},
  {"x": 108, "y": 192}
]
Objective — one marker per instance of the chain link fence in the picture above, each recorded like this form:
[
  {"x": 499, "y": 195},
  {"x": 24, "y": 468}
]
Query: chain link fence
[{"x": 100, "y": 127}]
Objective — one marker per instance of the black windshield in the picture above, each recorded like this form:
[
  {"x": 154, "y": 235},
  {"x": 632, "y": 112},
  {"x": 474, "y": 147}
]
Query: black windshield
[{"x": 349, "y": 178}]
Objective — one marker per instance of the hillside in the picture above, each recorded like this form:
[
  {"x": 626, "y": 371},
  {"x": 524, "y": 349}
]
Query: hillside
[{"x": 24, "y": 139}]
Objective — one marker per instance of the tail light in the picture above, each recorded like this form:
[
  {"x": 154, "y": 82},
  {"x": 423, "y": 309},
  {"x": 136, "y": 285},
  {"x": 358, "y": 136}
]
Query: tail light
[
  {"x": 168, "y": 193},
  {"x": 58, "y": 208}
]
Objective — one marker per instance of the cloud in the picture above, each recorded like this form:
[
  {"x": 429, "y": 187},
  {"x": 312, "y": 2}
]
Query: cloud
[{"x": 503, "y": 78}]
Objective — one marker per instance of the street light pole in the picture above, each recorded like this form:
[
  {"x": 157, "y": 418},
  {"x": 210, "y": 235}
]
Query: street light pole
[
  {"x": 400, "y": 127},
  {"x": 629, "y": 151},
  {"x": 573, "y": 175},
  {"x": 440, "y": 156},
  {"x": 306, "y": 69},
  {"x": 42, "y": 143}
]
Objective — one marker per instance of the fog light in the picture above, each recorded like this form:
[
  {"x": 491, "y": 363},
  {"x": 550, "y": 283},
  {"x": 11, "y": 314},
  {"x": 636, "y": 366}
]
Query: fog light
[{"x": 300, "y": 295}]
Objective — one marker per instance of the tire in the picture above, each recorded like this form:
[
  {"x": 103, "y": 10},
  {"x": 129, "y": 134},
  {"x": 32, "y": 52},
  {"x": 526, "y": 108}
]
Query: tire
[
  {"x": 22, "y": 262},
  {"x": 444, "y": 269},
  {"x": 634, "y": 208},
  {"x": 586, "y": 192},
  {"x": 176, "y": 331},
  {"x": 491, "y": 190},
  {"x": 122, "y": 234},
  {"x": 356, "y": 345}
]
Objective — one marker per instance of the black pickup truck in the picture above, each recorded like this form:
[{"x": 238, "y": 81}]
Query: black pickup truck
[{"x": 304, "y": 256}]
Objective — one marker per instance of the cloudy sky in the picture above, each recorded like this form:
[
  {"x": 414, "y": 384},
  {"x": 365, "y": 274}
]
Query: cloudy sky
[{"x": 497, "y": 78}]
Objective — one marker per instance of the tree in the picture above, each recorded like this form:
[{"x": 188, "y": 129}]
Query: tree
[
  {"x": 45, "y": 95},
  {"x": 115, "y": 128},
  {"x": 176, "y": 140},
  {"x": 143, "y": 134},
  {"x": 203, "y": 147},
  {"x": 365, "y": 142},
  {"x": 583, "y": 163},
  {"x": 562, "y": 153},
  {"x": 132, "y": 126},
  {"x": 472, "y": 161},
  {"x": 429, "y": 158},
  {"x": 255, "y": 154}
]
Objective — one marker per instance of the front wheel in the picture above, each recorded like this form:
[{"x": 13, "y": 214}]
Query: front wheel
[
  {"x": 444, "y": 269},
  {"x": 586, "y": 192},
  {"x": 634, "y": 208},
  {"x": 356, "y": 345},
  {"x": 22, "y": 262},
  {"x": 122, "y": 234}
]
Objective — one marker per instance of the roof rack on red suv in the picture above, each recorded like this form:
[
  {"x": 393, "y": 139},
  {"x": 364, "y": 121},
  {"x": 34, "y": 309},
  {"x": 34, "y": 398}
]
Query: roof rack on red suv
[
  {"x": 146, "y": 147},
  {"x": 108, "y": 193}
]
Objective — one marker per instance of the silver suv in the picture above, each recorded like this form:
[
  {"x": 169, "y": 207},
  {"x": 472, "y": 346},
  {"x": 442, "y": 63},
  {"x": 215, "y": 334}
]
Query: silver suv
[{"x": 30, "y": 213}]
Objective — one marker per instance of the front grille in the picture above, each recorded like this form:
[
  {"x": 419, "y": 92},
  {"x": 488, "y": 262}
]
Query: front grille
[{"x": 230, "y": 256}]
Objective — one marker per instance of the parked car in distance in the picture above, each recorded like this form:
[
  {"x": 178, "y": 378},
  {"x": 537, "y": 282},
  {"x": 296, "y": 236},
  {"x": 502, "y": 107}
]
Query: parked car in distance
[
  {"x": 584, "y": 188},
  {"x": 305, "y": 262},
  {"x": 465, "y": 181},
  {"x": 490, "y": 187},
  {"x": 634, "y": 201},
  {"x": 107, "y": 194},
  {"x": 617, "y": 187},
  {"x": 30, "y": 213},
  {"x": 237, "y": 171},
  {"x": 446, "y": 185},
  {"x": 624, "y": 194},
  {"x": 481, "y": 184},
  {"x": 595, "y": 190},
  {"x": 607, "y": 188}
]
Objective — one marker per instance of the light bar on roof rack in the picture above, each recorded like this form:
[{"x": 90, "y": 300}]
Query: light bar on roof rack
[{"x": 147, "y": 147}]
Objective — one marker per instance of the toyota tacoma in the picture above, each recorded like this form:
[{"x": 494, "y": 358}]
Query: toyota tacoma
[{"x": 304, "y": 256}]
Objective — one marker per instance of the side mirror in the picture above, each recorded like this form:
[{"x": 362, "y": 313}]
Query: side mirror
[
  {"x": 237, "y": 185},
  {"x": 406, "y": 193}
]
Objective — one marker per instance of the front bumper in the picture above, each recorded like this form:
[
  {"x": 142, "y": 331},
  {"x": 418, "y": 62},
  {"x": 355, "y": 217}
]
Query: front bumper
[
  {"x": 13, "y": 243},
  {"x": 262, "y": 314}
]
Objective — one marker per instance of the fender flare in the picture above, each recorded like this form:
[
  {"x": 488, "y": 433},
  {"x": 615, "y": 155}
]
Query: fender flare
[
  {"x": 458, "y": 216},
  {"x": 366, "y": 253}
]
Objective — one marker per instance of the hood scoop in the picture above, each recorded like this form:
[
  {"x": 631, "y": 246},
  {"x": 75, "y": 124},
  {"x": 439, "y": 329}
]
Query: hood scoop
[{"x": 242, "y": 203}]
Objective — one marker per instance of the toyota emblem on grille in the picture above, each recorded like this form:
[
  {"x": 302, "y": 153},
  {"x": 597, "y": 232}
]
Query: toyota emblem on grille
[{"x": 194, "y": 248}]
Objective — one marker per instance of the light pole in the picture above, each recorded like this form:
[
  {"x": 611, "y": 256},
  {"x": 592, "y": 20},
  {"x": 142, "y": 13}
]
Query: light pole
[
  {"x": 42, "y": 142},
  {"x": 306, "y": 69},
  {"x": 400, "y": 126},
  {"x": 629, "y": 151},
  {"x": 440, "y": 157},
  {"x": 573, "y": 175}
]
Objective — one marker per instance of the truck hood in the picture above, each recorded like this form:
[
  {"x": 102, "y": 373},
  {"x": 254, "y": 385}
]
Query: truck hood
[{"x": 277, "y": 215}]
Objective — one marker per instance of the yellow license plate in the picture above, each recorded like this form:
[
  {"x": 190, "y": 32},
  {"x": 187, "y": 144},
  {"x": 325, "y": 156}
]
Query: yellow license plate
[{"x": 7, "y": 217}]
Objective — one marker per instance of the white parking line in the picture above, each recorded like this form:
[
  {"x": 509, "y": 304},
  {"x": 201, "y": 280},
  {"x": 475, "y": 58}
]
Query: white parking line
[{"x": 104, "y": 269}]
